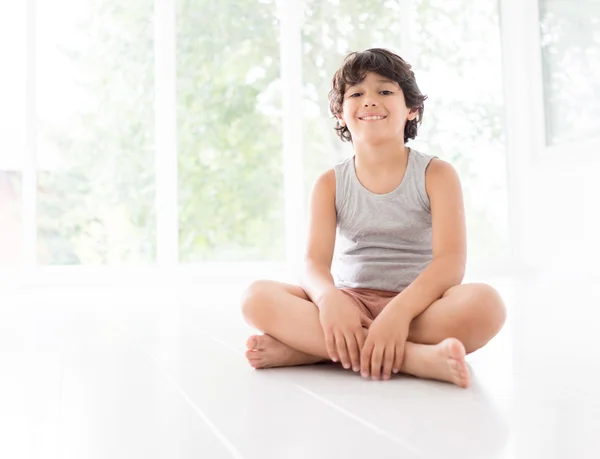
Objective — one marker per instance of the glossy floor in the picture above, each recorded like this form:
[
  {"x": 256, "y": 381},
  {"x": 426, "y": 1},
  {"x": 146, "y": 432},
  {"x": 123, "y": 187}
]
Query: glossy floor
[{"x": 160, "y": 373}]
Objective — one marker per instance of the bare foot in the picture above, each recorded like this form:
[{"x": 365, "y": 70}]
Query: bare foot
[
  {"x": 453, "y": 351},
  {"x": 444, "y": 361},
  {"x": 264, "y": 351}
]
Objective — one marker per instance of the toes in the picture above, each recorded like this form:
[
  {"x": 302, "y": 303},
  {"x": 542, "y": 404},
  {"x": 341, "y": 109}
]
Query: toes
[
  {"x": 455, "y": 368},
  {"x": 454, "y": 348},
  {"x": 463, "y": 379},
  {"x": 466, "y": 381},
  {"x": 455, "y": 353},
  {"x": 253, "y": 342},
  {"x": 255, "y": 358},
  {"x": 253, "y": 355},
  {"x": 462, "y": 374}
]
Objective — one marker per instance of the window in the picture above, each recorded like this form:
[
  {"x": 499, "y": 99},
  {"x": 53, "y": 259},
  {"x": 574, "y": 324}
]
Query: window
[
  {"x": 96, "y": 97},
  {"x": 570, "y": 40},
  {"x": 95, "y": 140},
  {"x": 229, "y": 126}
]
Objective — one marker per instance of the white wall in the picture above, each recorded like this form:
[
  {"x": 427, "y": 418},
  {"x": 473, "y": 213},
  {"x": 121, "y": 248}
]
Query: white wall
[{"x": 561, "y": 227}]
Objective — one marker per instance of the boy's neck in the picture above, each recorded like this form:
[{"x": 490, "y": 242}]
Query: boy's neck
[{"x": 381, "y": 156}]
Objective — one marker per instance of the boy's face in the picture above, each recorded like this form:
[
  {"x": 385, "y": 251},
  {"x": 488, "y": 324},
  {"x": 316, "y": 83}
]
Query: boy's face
[{"x": 374, "y": 110}]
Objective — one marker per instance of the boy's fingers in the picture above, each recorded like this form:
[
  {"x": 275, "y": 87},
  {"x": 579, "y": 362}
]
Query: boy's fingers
[
  {"x": 360, "y": 340},
  {"x": 340, "y": 343},
  {"x": 330, "y": 344},
  {"x": 354, "y": 351},
  {"x": 360, "y": 343},
  {"x": 376, "y": 361},
  {"x": 388, "y": 361},
  {"x": 399, "y": 357},
  {"x": 365, "y": 358}
]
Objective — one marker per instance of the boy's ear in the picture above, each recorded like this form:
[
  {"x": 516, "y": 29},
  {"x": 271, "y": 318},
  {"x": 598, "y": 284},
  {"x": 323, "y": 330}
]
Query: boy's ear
[
  {"x": 341, "y": 121},
  {"x": 412, "y": 114}
]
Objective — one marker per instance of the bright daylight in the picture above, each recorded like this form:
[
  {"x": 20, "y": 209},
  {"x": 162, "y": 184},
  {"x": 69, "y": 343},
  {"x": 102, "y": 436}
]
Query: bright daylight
[{"x": 282, "y": 229}]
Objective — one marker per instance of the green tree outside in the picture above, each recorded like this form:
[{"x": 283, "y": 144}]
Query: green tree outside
[{"x": 100, "y": 209}]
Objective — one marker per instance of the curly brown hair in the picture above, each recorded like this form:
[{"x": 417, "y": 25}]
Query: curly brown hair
[{"x": 387, "y": 64}]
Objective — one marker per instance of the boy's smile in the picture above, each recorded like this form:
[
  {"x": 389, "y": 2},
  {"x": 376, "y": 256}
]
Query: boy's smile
[{"x": 372, "y": 117}]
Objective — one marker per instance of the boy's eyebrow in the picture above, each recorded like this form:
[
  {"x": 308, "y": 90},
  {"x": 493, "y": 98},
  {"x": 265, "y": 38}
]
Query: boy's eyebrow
[{"x": 382, "y": 80}]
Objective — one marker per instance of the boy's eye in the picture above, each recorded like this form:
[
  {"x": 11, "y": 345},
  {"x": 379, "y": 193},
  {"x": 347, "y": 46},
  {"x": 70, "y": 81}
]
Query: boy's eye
[{"x": 356, "y": 94}]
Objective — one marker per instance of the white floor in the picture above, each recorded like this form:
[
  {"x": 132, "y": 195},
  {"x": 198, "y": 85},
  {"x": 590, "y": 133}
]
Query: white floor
[{"x": 159, "y": 373}]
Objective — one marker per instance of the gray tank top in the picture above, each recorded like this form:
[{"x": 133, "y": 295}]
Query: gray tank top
[{"x": 383, "y": 240}]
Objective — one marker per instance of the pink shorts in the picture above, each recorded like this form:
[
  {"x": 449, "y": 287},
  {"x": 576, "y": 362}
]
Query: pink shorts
[{"x": 369, "y": 302}]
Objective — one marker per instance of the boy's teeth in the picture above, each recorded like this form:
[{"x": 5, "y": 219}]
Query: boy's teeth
[{"x": 372, "y": 117}]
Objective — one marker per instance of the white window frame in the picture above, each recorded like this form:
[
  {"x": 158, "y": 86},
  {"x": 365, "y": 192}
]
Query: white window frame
[
  {"x": 523, "y": 72},
  {"x": 165, "y": 128},
  {"x": 587, "y": 149},
  {"x": 290, "y": 46},
  {"x": 517, "y": 30},
  {"x": 29, "y": 181}
]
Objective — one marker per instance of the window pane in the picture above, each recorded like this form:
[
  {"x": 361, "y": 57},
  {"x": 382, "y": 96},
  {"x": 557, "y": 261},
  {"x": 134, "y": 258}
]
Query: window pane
[
  {"x": 463, "y": 116},
  {"x": 13, "y": 55},
  {"x": 11, "y": 222},
  {"x": 96, "y": 147},
  {"x": 457, "y": 63},
  {"x": 570, "y": 40},
  {"x": 329, "y": 33},
  {"x": 229, "y": 131}
]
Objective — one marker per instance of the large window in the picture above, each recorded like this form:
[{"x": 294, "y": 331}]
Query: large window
[
  {"x": 96, "y": 96},
  {"x": 95, "y": 150},
  {"x": 457, "y": 51},
  {"x": 229, "y": 131},
  {"x": 570, "y": 41}
]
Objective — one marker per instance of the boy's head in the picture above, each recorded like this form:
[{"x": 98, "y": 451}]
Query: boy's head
[{"x": 376, "y": 82}]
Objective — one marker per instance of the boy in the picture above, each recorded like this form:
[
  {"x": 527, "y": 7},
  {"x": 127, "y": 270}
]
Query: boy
[{"x": 397, "y": 302}]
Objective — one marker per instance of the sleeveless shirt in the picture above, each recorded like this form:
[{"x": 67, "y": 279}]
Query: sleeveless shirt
[{"x": 383, "y": 240}]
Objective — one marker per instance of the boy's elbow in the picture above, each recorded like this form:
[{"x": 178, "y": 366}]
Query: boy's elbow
[
  {"x": 312, "y": 263},
  {"x": 306, "y": 268},
  {"x": 458, "y": 268},
  {"x": 454, "y": 268},
  {"x": 313, "y": 269}
]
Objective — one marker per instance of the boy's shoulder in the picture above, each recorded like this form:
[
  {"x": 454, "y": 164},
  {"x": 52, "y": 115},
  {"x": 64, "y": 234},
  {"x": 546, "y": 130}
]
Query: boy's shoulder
[
  {"x": 344, "y": 163},
  {"x": 342, "y": 167},
  {"x": 326, "y": 180},
  {"x": 329, "y": 175},
  {"x": 420, "y": 156}
]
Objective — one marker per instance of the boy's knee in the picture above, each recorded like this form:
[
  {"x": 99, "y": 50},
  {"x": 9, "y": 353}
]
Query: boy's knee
[
  {"x": 255, "y": 299},
  {"x": 494, "y": 308},
  {"x": 488, "y": 313}
]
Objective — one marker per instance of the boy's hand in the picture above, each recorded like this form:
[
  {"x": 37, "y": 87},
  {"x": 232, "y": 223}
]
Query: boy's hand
[
  {"x": 383, "y": 350},
  {"x": 344, "y": 335}
]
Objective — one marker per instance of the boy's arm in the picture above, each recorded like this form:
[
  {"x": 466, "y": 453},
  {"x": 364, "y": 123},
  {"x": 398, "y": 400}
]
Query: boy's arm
[
  {"x": 341, "y": 322},
  {"x": 449, "y": 241},
  {"x": 316, "y": 278}
]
